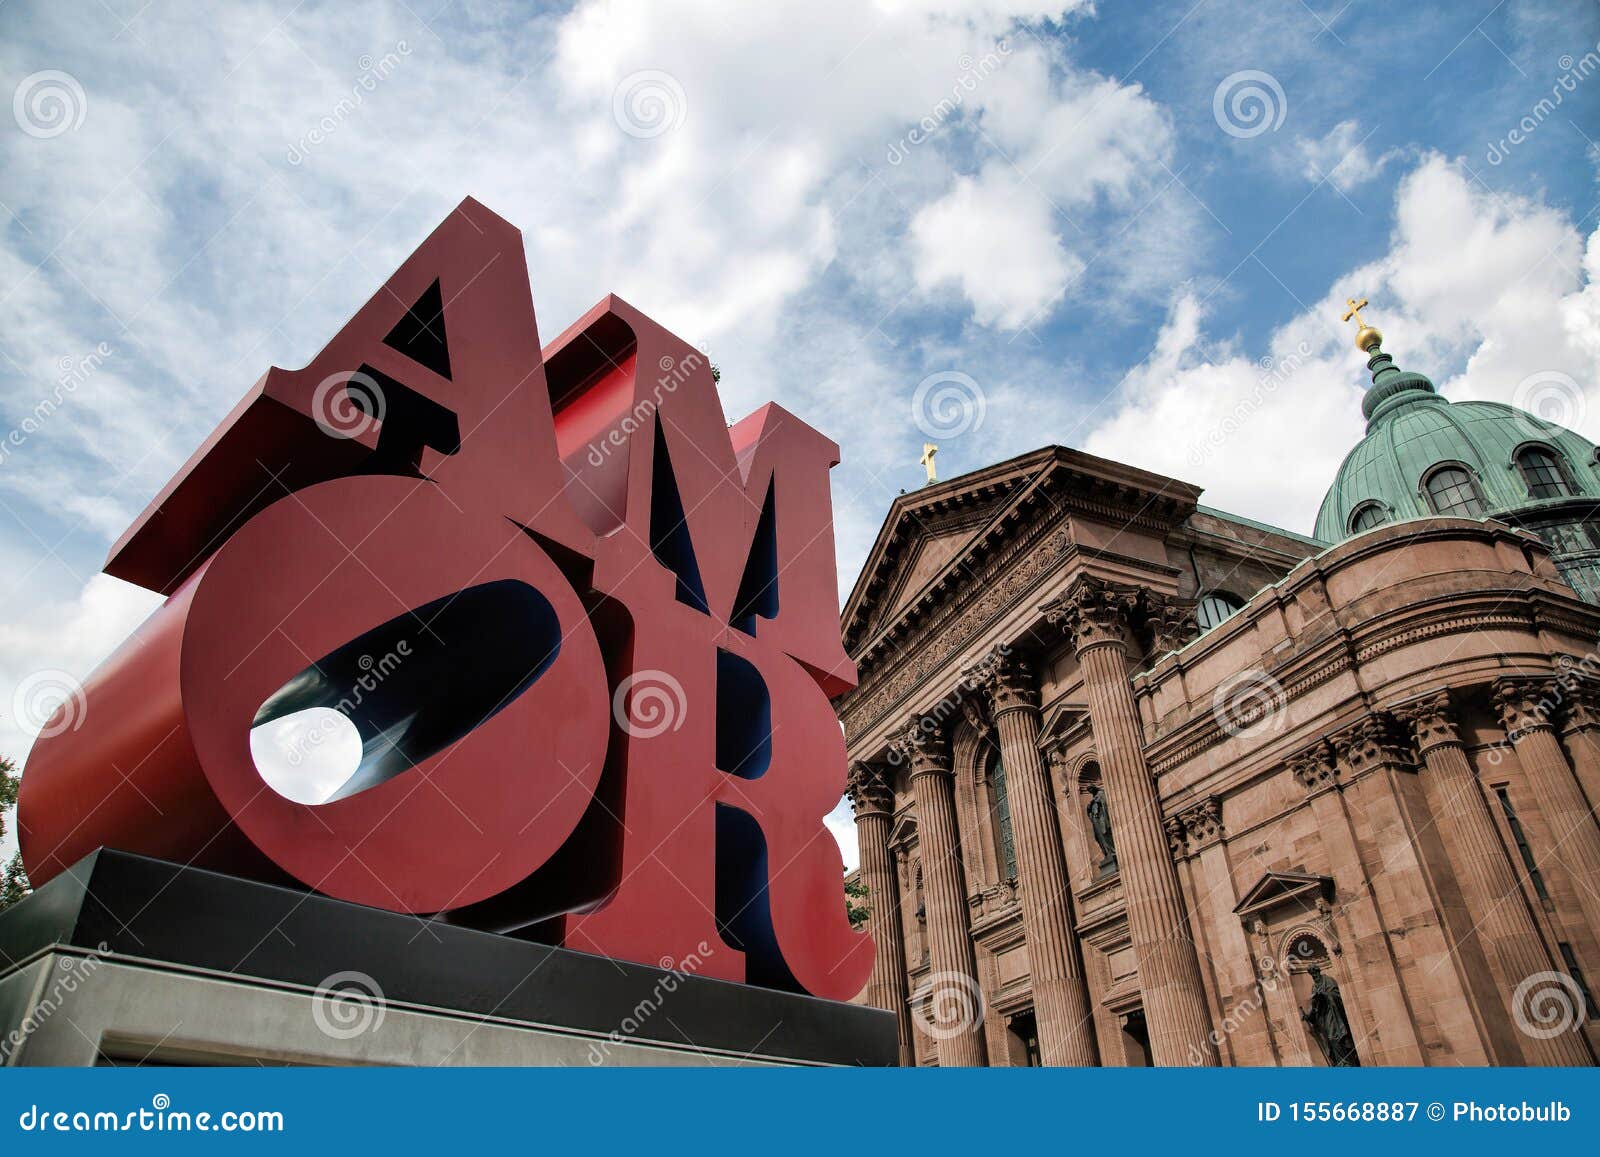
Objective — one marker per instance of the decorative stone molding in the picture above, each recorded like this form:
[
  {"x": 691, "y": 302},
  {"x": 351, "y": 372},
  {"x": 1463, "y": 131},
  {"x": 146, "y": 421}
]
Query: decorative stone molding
[
  {"x": 1526, "y": 704},
  {"x": 1006, "y": 678},
  {"x": 1430, "y": 720},
  {"x": 1580, "y": 706},
  {"x": 1372, "y": 742},
  {"x": 977, "y": 715},
  {"x": 1176, "y": 837},
  {"x": 1315, "y": 768},
  {"x": 1093, "y": 612},
  {"x": 1001, "y": 580},
  {"x": 924, "y": 746},
  {"x": 869, "y": 789},
  {"x": 1170, "y": 621},
  {"x": 1202, "y": 822}
]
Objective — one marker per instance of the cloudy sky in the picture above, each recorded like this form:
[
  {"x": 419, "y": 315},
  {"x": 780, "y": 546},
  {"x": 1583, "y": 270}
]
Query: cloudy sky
[{"x": 1125, "y": 227}]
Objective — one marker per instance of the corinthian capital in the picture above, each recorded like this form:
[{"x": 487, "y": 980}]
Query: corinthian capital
[
  {"x": 1315, "y": 767},
  {"x": 1170, "y": 620},
  {"x": 1372, "y": 742},
  {"x": 924, "y": 746},
  {"x": 1202, "y": 821},
  {"x": 1580, "y": 708},
  {"x": 1006, "y": 678},
  {"x": 870, "y": 792},
  {"x": 1430, "y": 721},
  {"x": 1526, "y": 704},
  {"x": 1093, "y": 611}
]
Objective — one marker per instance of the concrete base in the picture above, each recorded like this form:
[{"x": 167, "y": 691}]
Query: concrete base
[{"x": 126, "y": 960}]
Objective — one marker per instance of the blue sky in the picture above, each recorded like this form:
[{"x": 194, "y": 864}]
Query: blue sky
[{"x": 1059, "y": 213}]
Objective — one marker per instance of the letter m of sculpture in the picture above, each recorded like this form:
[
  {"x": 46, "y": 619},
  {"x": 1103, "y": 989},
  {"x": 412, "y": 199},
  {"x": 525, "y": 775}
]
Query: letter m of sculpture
[{"x": 582, "y": 631}]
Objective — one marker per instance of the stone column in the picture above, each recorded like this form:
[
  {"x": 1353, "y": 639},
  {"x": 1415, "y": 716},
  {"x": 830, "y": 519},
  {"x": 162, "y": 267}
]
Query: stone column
[
  {"x": 1580, "y": 729},
  {"x": 1389, "y": 1031},
  {"x": 1095, "y": 615},
  {"x": 1526, "y": 707},
  {"x": 1489, "y": 886},
  {"x": 1060, "y": 996},
  {"x": 873, "y": 801},
  {"x": 952, "y": 999}
]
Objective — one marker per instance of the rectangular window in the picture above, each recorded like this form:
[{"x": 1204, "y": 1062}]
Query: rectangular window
[
  {"x": 1002, "y": 815},
  {"x": 1520, "y": 838},
  {"x": 1570, "y": 959}
]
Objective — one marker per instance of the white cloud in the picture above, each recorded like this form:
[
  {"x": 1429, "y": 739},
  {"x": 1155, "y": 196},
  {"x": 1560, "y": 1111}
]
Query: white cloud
[
  {"x": 1342, "y": 157},
  {"x": 1478, "y": 291}
]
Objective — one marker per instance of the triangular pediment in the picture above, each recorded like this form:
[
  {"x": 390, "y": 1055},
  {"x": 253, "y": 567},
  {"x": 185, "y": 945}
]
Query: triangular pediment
[
  {"x": 1280, "y": 889},
  {"x": 904, "y": 830}
]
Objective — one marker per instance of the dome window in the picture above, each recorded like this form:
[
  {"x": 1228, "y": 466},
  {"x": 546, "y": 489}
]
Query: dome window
[
  {"x": 1452, "y": 492},
  {"x": 1541, "y": 471},
  {"x": 1368, "y": 515},
  {"x": 1216, "y": 607}
]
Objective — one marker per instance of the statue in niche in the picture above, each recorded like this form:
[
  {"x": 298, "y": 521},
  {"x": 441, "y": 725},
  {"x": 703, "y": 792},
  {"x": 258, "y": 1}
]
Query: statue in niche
[
  {"x": 1327, "y": 1022},
  {"x": 1100, "y": 821}
]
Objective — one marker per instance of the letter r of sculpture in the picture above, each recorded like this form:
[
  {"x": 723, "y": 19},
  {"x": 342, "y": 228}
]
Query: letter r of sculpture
[{"x": 585, "y": 630}]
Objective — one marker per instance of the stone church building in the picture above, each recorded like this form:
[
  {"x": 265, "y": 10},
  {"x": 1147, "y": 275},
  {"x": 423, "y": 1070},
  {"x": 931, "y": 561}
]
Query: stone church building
[{"x": 1141, "y": 782}]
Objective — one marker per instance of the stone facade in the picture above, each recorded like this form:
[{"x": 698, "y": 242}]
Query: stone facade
[{"x": 1352, "y": 823}]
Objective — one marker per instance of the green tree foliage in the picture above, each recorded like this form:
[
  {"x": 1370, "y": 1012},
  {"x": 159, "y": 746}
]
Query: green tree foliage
[
  {"x": 855, "y": 892},
  {"x": 14, "y": 881}
]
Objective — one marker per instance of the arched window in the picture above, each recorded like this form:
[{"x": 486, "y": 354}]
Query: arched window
[
  {"x": 1452, "y": 491},
  {"x": 1368, "y": 515},
  {"x": 1214, "y": 607},
  {"x": 1001, "y": 810},
  {"x": 1541, "y": 471}
]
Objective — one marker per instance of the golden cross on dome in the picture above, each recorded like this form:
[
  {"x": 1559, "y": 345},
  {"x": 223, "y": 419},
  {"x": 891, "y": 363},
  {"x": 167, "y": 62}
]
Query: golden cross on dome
[
  {"x": 928, "y": 451},
  {"x": 1366, "y": 336}
]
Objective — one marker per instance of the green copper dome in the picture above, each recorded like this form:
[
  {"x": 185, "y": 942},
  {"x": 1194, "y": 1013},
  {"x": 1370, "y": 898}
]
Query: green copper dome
[{"x": 1424, "y": 455}]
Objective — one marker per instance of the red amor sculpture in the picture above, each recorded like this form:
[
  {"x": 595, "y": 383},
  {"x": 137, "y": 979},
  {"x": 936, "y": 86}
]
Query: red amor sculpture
[{"x": 586, "y": 631}]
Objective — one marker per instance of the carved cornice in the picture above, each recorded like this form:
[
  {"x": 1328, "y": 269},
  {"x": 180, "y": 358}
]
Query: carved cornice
[
  {"x": 869, "y": 789},
  {"x": 1007, "y": 679},
  {"x": 991, "y": 588},
  {"x": 1526, "y": 704},
  {"x": 1430, "y": 720},
  {"x": 1093, "y": 612},
  {"x": 1371, "y": 742},
  {"x": 1315, "y": 768},
  {"x": 923, "y": 747}
]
